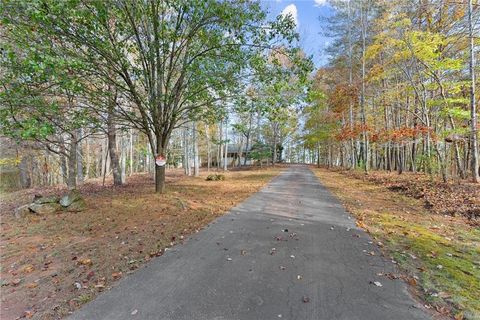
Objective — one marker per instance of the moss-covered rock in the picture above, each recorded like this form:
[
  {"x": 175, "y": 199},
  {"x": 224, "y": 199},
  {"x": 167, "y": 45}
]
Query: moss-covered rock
[
  {"x": 45, "y": 208},
  {"x": 70, "y": 197},
  {"x": 42, "y": 200},
  {"x": 77, "y": 206}
]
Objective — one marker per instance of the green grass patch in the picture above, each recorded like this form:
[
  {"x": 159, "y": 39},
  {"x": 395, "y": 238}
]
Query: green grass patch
[{"x": 448, "y": 269}]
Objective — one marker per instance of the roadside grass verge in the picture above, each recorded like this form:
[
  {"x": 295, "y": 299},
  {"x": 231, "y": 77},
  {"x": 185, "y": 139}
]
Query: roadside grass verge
[
  {"x": 52, "y": 264},
  {"x": 439, "y": 255}
]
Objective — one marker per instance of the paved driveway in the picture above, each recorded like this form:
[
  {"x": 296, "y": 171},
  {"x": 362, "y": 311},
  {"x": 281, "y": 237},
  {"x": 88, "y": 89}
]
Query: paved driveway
[{"x": 290, "y": 251}]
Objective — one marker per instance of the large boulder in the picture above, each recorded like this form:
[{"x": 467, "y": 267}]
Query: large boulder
[
  {"x": 70, "y": 197},
  {"x": 45, "y": 208},
  {"x": 42, "y": 200},
  {"x": 78, "y": 205},
  {"x": 22, "y": 212}
]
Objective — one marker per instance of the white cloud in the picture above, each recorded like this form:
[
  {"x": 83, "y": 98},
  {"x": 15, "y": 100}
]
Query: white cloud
[
  {"x": 319, "y": 3},
  {"x": 291, "y": 10}
]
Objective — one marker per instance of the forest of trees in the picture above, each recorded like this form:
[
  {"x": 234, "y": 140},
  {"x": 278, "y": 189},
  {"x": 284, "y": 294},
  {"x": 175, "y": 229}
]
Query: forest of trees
[
  {"x": 93, "y": 88},
  {"x": 97, "y": 88},
  {"x": 399, "y": 91}
]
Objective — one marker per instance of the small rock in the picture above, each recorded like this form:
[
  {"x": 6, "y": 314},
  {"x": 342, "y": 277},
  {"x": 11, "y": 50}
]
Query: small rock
[
  {"x": 22, "y": 212},
  {"x": 16, "y": 282},
  {"x": 305, "y": 299}
]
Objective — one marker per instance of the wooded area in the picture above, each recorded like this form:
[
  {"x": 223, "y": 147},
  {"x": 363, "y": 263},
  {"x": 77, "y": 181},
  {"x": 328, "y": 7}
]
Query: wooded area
[
  {"x": 400, "y": 91},
  {"x": 99, "y": 87},
  {"x": 93, "y": 89},
  {"x": 128, "y": 126}
]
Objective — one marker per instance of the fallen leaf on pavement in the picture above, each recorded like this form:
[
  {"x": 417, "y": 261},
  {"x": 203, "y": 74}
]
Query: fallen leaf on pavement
[
  {"x": 16, "y": 282},
  {"x": 85, "y": 262},
  {"x": 31, "y": 285},
  {"x": 28, "y": 268}
]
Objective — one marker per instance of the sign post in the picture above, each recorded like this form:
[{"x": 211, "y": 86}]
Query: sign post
[{"x": 160, "y": 160}]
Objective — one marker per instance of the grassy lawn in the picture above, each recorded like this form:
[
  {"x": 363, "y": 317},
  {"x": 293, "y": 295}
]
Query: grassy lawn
[
  {"x": 439, "y": 254},
  {"x": 52, "y": 264}
]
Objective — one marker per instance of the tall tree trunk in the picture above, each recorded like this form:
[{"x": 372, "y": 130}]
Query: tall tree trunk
[
  {"x": 80, "y": 177},
  {"x": 353, "y": 160},
  {"x": 131, "y": 153},
  {"x": 87, "y": 158},
  {"x": 25, "y": 180},
  {"x": 458, "y": 161},
  {"x": 274, "y": 156},
  {"x": 362, "y": 96},
  {"x": 220, "y": 146},
  {"x": 103, "y": 160},
  {"x": 473, "y": 107},
  {"x": 209, "y": 150},
  {"x": 112, "y": 145},
  {"x": 63, "y": 159},
  {"x": 226, "y": 146},
  {"x": 72, "y": 163},
  {"x": 196, "y": 169},
  {"x": 160, "y": 150},
  {"x": 123, "y": 158}
]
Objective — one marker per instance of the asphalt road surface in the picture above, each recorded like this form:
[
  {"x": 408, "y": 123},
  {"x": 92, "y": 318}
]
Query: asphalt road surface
[{"x": 290, "y": 251}]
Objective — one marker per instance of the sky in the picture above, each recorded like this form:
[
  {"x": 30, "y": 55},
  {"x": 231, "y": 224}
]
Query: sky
[{"x": 306, "y": 13}]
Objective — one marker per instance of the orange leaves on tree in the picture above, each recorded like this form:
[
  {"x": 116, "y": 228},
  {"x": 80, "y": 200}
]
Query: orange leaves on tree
[
  {"x": 342, "y": 97},
  {"x": 347, "y": 132},
  {"x": 394, "y": 135}
]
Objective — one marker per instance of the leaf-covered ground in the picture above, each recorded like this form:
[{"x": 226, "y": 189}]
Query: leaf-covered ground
[
  {"x": 452, "y": 198},
  {"x": 52, "y": 264},
  {"x": 438, "y": 254}
]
